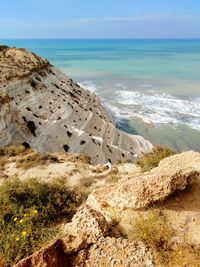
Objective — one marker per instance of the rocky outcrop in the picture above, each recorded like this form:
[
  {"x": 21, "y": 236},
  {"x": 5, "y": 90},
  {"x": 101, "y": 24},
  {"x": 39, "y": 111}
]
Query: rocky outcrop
[
  {"x": 88, "y": 246},
  {"x": 173, "y": 174},
  {"x": 19, "y": 63},
  {"x": 143, "y": 219},
  {"x": 44, "y": 109}
]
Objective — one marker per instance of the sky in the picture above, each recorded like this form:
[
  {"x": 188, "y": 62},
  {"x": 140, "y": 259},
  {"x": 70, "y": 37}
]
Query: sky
[{"x": 100, "y": 19}]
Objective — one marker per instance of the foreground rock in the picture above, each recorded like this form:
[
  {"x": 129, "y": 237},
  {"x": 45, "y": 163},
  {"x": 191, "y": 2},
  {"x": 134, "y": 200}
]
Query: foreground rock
[
  {"x": 173, "y": 174},
  {"x": 87, "y": 245},
  {"x": 44, "y": 109}
]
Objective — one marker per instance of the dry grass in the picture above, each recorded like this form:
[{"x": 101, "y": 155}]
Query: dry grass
[
  {"x": 36, "y": 159},
  {"x": 13, "y": 151},
  {"x": 8, "y": 154},
  {"x": 156, "y": 233},
  {"x": 112, "y": 179},
  {"x": 152, "y": 159},
  {"x": 79, "y": 158},
  {"x": 3, "y": 162}
]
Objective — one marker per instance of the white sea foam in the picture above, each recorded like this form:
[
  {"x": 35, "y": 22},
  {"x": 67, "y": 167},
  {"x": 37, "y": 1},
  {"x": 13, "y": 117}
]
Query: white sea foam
[
  {"x": 88, "y": 85},
  {"x": 158, "y": 108}
]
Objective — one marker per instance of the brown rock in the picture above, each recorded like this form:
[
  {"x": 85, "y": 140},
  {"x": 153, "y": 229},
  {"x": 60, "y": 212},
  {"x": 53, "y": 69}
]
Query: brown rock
[
  {"x": 52, "y": 256},
  {"x": 88, "y": 224},
  {"x": 109, "y": 252}
]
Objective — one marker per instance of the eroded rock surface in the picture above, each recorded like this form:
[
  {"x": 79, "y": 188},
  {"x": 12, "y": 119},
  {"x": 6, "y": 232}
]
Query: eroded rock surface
[
  {"x": 88, "y": 246},
  {"x": 172, "y": 174},
  {"x": 41, "y": 107}
]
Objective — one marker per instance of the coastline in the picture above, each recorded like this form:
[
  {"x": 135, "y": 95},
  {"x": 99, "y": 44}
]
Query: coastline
[
  {"x": 181, "y": 138},
  {"x": 155, "y": 80}
]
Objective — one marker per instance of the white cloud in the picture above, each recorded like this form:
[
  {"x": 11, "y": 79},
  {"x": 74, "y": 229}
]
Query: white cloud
[
  {"x": 138, "y": 18},
  {"x": 140, "y": 26}
]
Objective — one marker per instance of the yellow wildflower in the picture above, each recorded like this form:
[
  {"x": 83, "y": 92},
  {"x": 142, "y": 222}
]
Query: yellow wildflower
[
  {"x": 24, "y": 233},
  {"x": 15, "y": 219},
  {"x": 35, "y": 211},
  {"x": 25, "y": 215},
  {"x": 17, "y": 238},
  {"x": 21, "y": 221}
]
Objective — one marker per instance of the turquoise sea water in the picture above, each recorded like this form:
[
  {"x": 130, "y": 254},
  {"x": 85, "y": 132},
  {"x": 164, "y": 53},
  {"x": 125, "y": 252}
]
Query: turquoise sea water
[{"x": 152, "y": 87}]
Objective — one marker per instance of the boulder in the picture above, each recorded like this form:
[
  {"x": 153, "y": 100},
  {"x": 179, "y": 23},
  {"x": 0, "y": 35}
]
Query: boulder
[{"x": 173, "y": 173}]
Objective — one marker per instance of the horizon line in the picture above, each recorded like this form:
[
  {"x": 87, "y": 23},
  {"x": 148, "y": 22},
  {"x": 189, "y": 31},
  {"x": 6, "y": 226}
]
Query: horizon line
[{"x": 117, "y": 38}]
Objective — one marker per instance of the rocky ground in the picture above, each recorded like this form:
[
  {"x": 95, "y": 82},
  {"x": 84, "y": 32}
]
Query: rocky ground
[{"x": 130, "y": 218}]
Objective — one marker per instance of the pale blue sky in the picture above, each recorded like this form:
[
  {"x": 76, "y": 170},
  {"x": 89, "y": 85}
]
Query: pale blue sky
[{"x": 100, "y": 19}]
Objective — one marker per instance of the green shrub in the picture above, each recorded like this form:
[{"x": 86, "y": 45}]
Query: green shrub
[
  {"x": 29, "y": 212},
  {"x": 152, "y": 159}
]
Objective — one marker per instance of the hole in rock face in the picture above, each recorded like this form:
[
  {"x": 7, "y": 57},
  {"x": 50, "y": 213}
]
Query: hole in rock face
[
  {"x": 31, "y": 126},
  {"x": 38, "y": 78},
  {"x": 50, "y": 71},
  {"x": 56, "y": 86},
  {"x": 26, "y": 145},
  {"x": 33, "y": 83},
  {"x": 82, "y": 142},
  {"x": 66, "y": 147},
  {"x": 69, "y": 133},
  {"x": 41, "y": 73}
]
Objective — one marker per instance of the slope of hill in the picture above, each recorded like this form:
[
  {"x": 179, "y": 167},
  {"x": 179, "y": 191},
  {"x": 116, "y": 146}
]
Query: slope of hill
[{"x": 44, "y": 109}]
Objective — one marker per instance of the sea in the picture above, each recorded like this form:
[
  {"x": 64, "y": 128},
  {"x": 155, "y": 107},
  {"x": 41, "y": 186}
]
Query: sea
[{"x": 151, "y": 87}]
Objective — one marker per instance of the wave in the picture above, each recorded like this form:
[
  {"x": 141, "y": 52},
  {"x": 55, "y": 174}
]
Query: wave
[
  {"x": 88, "y": 85},
  {"x": 157, "y": 108}
]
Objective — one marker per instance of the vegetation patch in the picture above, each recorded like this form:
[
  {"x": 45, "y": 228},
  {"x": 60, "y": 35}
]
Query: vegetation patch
[
  {"x": 112, "y": 179},
  {"x": 152, "y": 159},
  {"x": 13, "y": 151},
  {"x": 3, "y": 162},
  {"x": 36, "y": 159},
  {"x": 29, "y": 213},
  {"x": 156, "y": 233}
]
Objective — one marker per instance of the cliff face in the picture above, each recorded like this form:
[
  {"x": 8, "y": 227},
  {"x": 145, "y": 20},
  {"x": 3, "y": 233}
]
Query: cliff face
[{"x": 44, "y": 109}]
